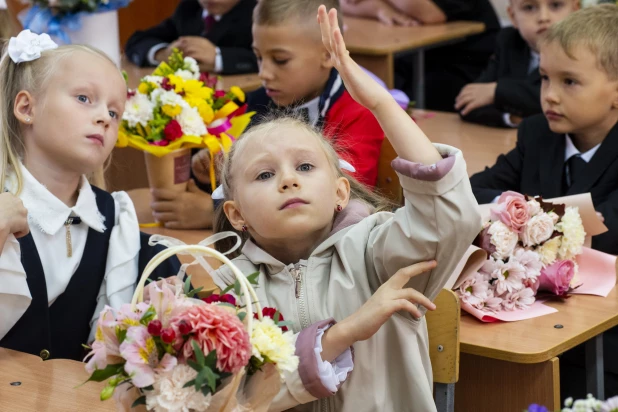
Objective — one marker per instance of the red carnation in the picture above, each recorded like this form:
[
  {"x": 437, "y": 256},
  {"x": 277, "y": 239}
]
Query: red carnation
[
  {"x": 214, "y": 298},
  {"x": 166, "y": 85},
  {"x": 270, "y": 313},
  {"x": 172, "y": 131},
  {"x": 130, "y": 93},
  {"x": 219, "y": 93},
  {"x": 208, "y": 80}
]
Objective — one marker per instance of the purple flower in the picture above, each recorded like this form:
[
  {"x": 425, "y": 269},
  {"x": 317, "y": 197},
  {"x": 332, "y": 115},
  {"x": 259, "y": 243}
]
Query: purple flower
[{"x": 537, "y": 408}]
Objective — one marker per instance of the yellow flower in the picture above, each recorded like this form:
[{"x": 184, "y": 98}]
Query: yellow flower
[
  {"x": 270, "y": 344},
  {"x": 143, "y": 88},
  {"x": 573, "y": 233},
  {"x": 206, "y": 112},
  {"x": 549, "y": 251},
  {"x": 171, "y": 111},
  {"x": 195, "y": 89},
  {"x": 237, "y": 91},
  {"x": 163, "y": 69}
]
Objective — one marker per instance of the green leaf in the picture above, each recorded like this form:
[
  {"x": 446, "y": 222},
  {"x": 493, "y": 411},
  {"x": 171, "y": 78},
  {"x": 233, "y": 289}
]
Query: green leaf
[
  {"x": 199, "y": 379},
  {"x": 211, "y": 359},
  {"x": 100, "y": 375},
  {"x": 190, "y": 383},
  {"x": 86, "y": 347},
  {"x": 194, "y": 292},
  {"x": 148, "y": 316},
  {"x": 237, "y": 288},
  {"x": 187, "y": 286},
  {"x": 107, "y": 392},
  {"x": 121, "y": 334},
  {"x": 241, "y": 315},
  {"x": 148, "y": 388},
  {"x": 227, "y": 289},
  {"x": 199, "y": 355},
  {"x": 194, "y": 365},
  {"x": 205, "y": 390},
  {"x": 277, "y": 317},
  {"x": 288, "y": 323},
  {"x": 139, "y": 401},
  {"x": 229, "y": 305},
  {"x": 253, "y": 278},
  {"x": 211, "y": 377}
]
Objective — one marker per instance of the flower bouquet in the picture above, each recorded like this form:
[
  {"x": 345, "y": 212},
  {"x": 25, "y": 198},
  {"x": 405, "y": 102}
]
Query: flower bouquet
[
  {"x": 177, "y": 108},
  {"x": 590, "y": 404},
  {"x": 92, "y": 22},
  {"x": 172, "y": 352},
  {"x": 529, "y": 248}
]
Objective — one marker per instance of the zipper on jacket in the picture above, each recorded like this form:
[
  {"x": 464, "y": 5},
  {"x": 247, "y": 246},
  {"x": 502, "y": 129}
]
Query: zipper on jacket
[{"x": 297, "y": 275}]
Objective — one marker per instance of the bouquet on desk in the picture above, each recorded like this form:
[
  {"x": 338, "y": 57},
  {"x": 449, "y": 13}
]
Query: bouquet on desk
[
  {"x": 173, "y": 352},
  {"x": 178, "y": 107},
  {"x": 531, "y": 247},
  {"x": 590, "y": 404}
]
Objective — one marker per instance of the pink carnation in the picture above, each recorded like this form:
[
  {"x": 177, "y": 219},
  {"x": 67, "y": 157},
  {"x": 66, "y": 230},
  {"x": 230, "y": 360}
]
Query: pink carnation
[
  {"x": 215, "y": 327},
  {"x": 512, "y": 210},
  {"x": 556, "y": 278}
]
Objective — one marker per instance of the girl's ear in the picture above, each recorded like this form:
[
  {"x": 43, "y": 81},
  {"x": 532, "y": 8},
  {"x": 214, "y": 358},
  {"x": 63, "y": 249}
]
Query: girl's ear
[
  {"x": 231, "y": 210},
  {"x": 343, "y": 192},
  {"x": 326, "y": 62},
  {"x": 24, "y": 107}
]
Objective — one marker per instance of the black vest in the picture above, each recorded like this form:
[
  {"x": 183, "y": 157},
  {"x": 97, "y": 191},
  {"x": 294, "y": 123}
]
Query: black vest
[{"x": 59, "y": 330}]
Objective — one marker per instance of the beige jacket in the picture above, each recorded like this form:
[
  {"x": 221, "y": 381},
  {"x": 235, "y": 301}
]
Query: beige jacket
[{"x": 392, "y": 370}]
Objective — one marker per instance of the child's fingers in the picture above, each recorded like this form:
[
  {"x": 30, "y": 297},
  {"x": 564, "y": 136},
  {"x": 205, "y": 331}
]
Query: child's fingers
[
  {"x": 403, "y": 275},
  {"x": 408, "y": 306},
  {"x": 325, "y": 28},
  {"x": 415, "y": 296}
]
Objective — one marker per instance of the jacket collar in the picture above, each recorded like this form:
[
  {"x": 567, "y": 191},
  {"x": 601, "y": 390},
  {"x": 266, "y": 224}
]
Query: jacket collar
[
  {"x": 348, "y": 217},
  {"x": 49, "y": 213}
]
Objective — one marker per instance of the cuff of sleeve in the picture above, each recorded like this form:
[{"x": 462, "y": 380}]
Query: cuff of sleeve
[
  {"x": 434, "y": 179},
  {"x": 153, "y": 50},
  {"x": 308, "y": 367},
  {"x": 218, "y": 61},
  {"x": 333, "y": 374},
  {"x": 506, "y": 117}
]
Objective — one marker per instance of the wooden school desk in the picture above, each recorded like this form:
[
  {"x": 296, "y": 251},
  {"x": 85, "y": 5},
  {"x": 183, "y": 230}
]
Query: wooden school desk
[
  {"x": 247, "y": 82},
  {"x": 29, "y": 384},
  {"x": 374, "y": 46},
  {"x": 507, "y": 366}
]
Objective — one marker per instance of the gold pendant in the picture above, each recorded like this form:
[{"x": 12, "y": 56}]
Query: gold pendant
[{"x": 67, "y": 226}]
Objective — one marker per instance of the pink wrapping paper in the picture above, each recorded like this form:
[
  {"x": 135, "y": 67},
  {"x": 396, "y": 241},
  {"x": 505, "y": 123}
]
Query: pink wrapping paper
[
  {"x": 534, "y": 311},
  {"x": 597, "y": 273}
]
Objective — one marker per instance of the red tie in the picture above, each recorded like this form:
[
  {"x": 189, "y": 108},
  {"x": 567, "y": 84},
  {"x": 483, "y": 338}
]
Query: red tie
[{"x": 209, "y": 21}]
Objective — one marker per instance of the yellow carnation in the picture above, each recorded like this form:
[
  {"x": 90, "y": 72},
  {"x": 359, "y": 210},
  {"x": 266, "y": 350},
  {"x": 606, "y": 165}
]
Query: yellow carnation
[
  {"x": 573, "y": 233},
  {"x": 549, "y": 251},
  {"x": 206, "y": 112},
  {"x": 237, "y": 91},
  {"x": 270, "y": 344},
  {"x": 143, "y": 88},
  {"x": 171, "y": 111}
]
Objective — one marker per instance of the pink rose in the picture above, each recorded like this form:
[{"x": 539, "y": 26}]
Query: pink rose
[
  {"x": 483, "y": 240},
  {"x": 556, "y": 278},
  {"x": 512, "y": 210}
]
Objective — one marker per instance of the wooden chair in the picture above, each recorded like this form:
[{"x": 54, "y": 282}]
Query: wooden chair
[
  {"x": 443, "y": 328},
  {"x": 388, "y": 182}
]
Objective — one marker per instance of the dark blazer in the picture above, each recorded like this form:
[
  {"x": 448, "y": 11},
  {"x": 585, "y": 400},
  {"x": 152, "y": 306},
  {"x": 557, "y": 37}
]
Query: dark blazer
[
  {"x": 536, "y": 167},
  {"x": 232, "y": 34},
  {"x": 517, "y": 92}
]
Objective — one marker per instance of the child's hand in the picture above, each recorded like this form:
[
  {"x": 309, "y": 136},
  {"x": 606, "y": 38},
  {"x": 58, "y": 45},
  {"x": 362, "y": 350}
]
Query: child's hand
[
  {"x": 475, "y": 95},
  {"x": 13, "y": 218},
  {"x": 192, "y": 209},
  {"x": 200, "y": 165},
  {"x": 201, "y": 49},
  {"x": 362, "y": 88},
  {"x": 391, "y": 297}
]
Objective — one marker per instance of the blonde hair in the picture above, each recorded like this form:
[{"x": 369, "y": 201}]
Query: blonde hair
[
  {"x": 595, "y": 28},
  {"x": 32, "y": 76},
  {"x": 6, "y": 26},
  {"x": 268, "y": 124},
  {"x": 276, "y": 12}
]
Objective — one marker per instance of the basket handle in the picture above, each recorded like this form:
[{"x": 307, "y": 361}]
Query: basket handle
[{"x": 245, "y": 287}]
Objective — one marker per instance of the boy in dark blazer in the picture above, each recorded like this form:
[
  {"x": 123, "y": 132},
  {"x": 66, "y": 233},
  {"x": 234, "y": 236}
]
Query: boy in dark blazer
[
  {"x": 215, "y": 33},
  {"x": 572, "y": 148},
  {"x": 509, "y": 88}
]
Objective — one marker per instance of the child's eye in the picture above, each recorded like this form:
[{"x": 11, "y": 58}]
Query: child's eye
[
  {"x": 528, "y": 7},
  {"x": 280, "y": 62},
  {"x": 557, "y": 5},
  {"x": 265, "y": 175},
  {"x": 82, "y": 98},
  {"x": 113, "y": 114},
  {"x": 544, "y": 77},
  {"x": 305, "y": 167},
  {"x": 569, "y": 82}
]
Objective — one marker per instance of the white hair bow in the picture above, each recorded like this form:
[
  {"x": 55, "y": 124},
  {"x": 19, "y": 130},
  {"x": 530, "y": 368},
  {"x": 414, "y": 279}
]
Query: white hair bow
[
  {"x": 27, "y": 46},
  {"x": 219, "y": 195}
]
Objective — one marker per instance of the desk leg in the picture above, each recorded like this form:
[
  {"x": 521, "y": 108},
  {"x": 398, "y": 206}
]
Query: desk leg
[
  {"x": 418, "y": 79},
  {"x": 594, "y": 367},
  {"x": 490, "y": 385},
  {"x": 382, "y": 66}
]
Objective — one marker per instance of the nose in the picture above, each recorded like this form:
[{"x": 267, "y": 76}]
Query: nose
[
  {"x": 103, "y": 117},
  {"x": 289, "y": 181},
  {"x": 549, "y": 94},
  {"x": 265, "y": 70},
  {"x": 544, "y": 14}
]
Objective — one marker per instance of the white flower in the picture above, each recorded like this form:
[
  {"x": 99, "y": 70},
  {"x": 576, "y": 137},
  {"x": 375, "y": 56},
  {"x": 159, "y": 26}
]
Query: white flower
[
  {"x": 169, "y": 395},
  {"x": 153, "y": 79},
  {"x": 474, "y": 290},
  {"x": 538, "y": 230},
  {"x": 503, "y": 238},
  {"x": 554, "y": 217},
  {"x": 169, "y": 97},
  {"x": 510, "y": 278},
  {"x": 191, "y": 122},
  {"x": 187, "y": 75},
  {"x": 549, "y": 251},
  {"x": 191, "y": 65},
  {"x": 573, "y": 234},
  {"x": 533, "y": 207},
  {"x": 530, "y": 260},
  {"x": 521, "y": 299},
  {"x": 610, "y": 405},
  {"x": 138, "y": 109},
  {"x": 269, "y": 343}
]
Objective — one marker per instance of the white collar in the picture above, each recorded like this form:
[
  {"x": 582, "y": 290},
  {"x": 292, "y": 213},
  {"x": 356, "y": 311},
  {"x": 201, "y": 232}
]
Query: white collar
[
  {"x": 535, "y": 58},
  {"x": 570, "y": 150},
  {"x": 205, "y": 14},
  {"x": 312, "y": 108},
  {"x": 49, "y": 214}
]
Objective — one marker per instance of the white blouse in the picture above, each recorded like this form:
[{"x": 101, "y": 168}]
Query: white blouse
[{"x": 46, "y": 218}]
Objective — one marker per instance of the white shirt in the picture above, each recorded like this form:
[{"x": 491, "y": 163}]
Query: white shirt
[
  {"x": 46, "y": 218},
  {"x": 570, "y": 150},
  {"x": 218, "y": 59},
  {"x": 312, "y": 108},
  {"x": 533, "y": 65}
]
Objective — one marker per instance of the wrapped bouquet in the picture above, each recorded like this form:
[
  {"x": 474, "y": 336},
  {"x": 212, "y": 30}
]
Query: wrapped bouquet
[{"x": 170, "y": 351}]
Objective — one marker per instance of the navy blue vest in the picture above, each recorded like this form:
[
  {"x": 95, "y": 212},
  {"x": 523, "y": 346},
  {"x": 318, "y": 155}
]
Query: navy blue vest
[{"x": 59, "y": 330}]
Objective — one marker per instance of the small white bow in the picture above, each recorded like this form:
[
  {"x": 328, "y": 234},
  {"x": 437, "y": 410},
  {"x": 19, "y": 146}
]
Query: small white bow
[
  {"x": 219, "y": 195},
  {"x": 27, "y": 46}
]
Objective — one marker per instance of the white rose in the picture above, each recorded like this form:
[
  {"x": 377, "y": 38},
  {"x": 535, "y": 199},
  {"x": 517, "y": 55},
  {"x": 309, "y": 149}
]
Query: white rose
[
  {"x": 554, "y": 217},
  {"x": 534, "y": 208},
  {"x": 503, "y": 239},
  {"x": 538, "y": 230}
]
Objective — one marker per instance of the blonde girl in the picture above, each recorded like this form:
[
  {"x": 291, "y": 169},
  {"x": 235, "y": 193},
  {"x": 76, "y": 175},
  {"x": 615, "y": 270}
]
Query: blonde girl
[
  {"x": 59, "y": 114},
  {"x": 325, "y": 256}
]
